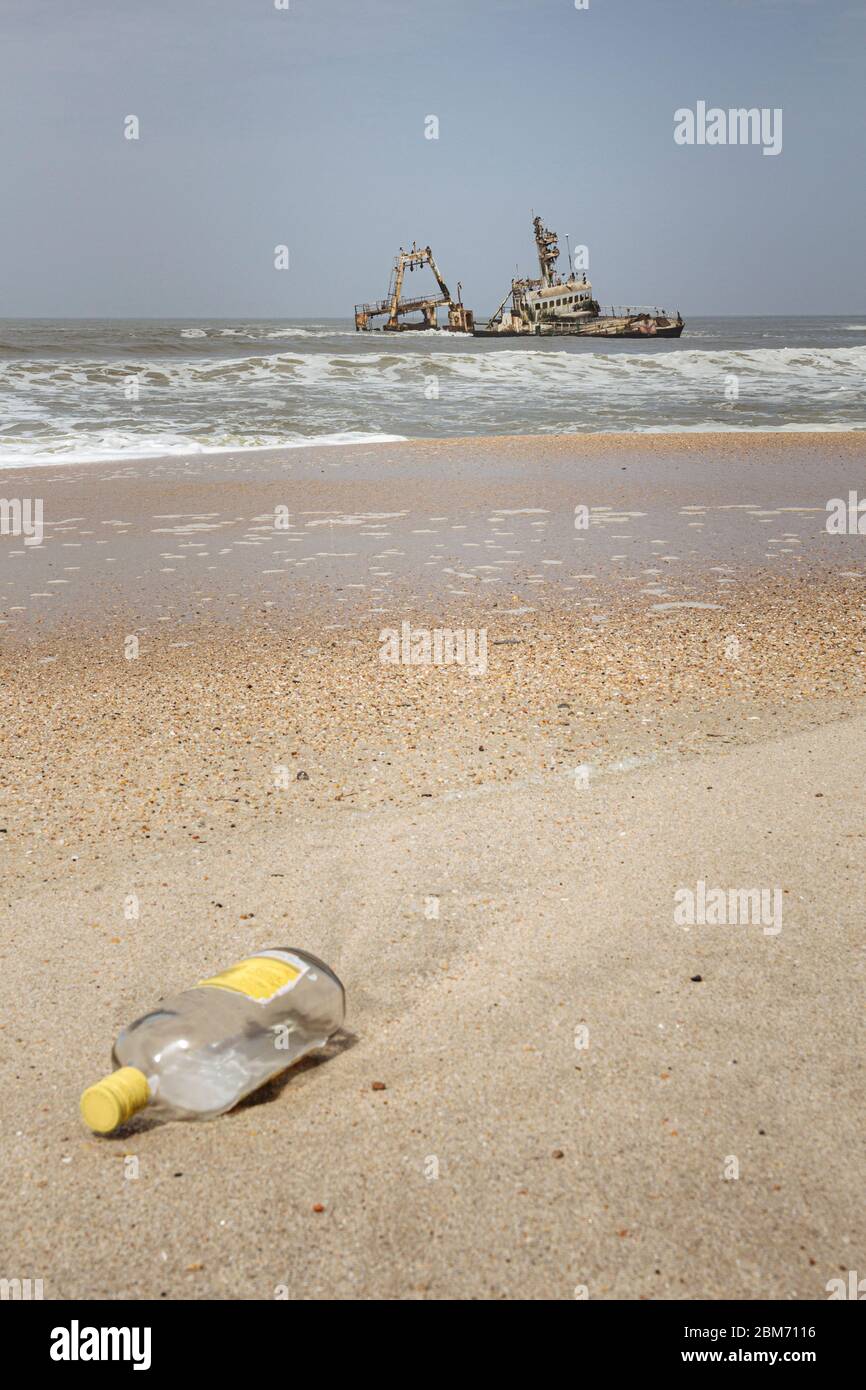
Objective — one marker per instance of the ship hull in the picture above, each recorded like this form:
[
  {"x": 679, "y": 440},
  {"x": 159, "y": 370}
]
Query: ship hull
[{"x": 597, "y": 330}]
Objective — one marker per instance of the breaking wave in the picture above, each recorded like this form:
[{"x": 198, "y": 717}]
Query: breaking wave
[{"x": 72, "y": 408}]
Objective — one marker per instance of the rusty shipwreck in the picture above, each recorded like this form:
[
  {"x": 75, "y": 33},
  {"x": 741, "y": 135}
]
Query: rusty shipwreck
[
  {"x": 549, "y": 306},
  {"x": 396, "y": 311}
]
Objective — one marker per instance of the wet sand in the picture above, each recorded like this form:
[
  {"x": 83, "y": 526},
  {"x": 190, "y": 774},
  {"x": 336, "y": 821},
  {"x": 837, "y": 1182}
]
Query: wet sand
[
  {"x": 430, "y": 522},
  {"x": 672, "y": 695}
]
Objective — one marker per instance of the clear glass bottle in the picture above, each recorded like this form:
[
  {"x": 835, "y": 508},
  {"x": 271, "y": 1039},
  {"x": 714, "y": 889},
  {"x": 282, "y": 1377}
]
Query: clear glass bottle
[{"x": 201, "y": 1051}]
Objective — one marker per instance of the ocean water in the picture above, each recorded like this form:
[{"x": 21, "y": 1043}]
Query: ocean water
[{"x": 79, "y": 390}]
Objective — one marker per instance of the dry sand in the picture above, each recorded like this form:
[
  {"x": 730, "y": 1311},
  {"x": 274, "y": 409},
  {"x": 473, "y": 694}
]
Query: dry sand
[{"x": 489, "y": 862}]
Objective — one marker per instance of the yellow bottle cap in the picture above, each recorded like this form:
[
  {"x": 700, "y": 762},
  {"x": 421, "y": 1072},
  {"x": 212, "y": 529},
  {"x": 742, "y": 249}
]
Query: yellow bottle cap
[{"x": 114, "y": 1099}]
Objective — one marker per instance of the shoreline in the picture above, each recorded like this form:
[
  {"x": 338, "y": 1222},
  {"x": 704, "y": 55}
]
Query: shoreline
[
  {"x": 713, "y": 436},
  {"x": 362, "y": 530}
]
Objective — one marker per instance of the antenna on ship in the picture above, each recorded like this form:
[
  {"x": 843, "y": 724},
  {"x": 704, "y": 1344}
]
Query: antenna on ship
[{"x": 568, "y": 253}]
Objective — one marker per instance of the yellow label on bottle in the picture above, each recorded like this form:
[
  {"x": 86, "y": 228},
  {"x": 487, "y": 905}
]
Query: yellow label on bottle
[{"x": 260, "y": 977}]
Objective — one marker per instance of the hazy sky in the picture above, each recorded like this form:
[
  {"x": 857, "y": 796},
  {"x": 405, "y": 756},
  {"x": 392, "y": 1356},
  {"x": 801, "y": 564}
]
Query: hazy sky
[{"x": 261, "y": 126}]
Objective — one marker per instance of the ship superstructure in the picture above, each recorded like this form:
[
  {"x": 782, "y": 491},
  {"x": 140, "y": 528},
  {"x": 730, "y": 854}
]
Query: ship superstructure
[{"x": 549, "y": 305}]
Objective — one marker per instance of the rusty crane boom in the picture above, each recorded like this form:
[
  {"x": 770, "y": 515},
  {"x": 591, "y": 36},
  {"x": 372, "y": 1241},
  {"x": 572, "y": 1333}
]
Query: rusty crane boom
[{"x": 394, "y": 309}]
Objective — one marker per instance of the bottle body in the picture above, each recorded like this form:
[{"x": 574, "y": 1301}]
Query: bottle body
[{"x": 203, "y": 1050}]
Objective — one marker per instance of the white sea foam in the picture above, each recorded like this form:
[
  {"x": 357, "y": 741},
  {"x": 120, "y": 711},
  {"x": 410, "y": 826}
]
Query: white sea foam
[
  {"x": 507, "y": 367},
  {"x": 68, "y": 408},
  {"x": 115, "y": 446}
]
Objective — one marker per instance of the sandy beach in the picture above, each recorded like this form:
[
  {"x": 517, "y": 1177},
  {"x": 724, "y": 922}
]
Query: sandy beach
[{"x": 204, "y": 753}]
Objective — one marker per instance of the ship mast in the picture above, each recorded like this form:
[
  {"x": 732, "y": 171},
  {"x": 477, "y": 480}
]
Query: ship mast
[{"x": 548, "y": 252}]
